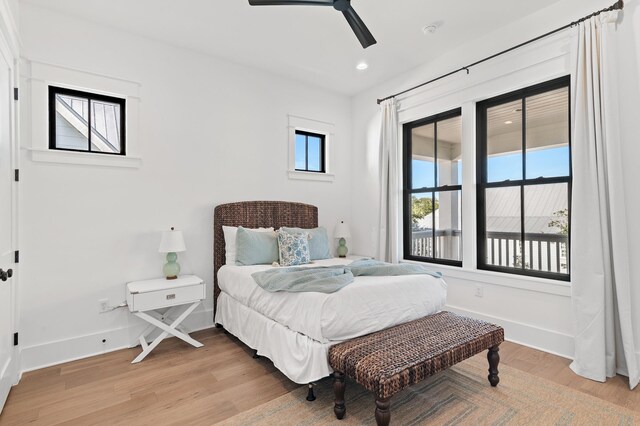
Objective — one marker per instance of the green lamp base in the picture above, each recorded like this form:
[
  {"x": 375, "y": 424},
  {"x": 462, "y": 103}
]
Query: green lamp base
[
  {"x": 171, "y": 269},
  {"x": 342, "y": 248}
]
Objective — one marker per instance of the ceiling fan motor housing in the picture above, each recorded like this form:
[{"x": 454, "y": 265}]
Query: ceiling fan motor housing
[{"x": 341, "y": 5}]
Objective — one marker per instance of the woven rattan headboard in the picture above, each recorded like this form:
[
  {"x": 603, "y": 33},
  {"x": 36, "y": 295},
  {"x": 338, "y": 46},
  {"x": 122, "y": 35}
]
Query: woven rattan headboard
[{"x": 256, "y": 214}]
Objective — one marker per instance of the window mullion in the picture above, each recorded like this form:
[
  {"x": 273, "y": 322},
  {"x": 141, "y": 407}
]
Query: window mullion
[
  {"x": 524, "y": 177},
  {"x": 322, "y": 154},
  {"x": 435, "y": 183},
  {"x": 433, "y": 226},
  {"x": 526, "y": 182},
  {"x": 306, "y": 152},
  {"x": 435, "y": 154},
  {"x": 89, "y": 123}
]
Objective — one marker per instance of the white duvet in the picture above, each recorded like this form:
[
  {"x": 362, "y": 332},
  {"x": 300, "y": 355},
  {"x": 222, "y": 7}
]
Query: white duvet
[{"x": 368, "y": 304}]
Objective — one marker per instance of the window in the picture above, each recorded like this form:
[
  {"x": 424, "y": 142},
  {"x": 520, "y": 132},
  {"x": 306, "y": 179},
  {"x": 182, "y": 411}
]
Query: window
[
  {"x": 309, "y": 152},
  {"x": 433, "y": 188},
  {"x": 72, "y": 113},
  {"x": 524, "y": 181}
]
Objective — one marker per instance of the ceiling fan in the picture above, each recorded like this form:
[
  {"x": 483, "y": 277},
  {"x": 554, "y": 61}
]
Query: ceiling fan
[{"x": 357, "y": 25}]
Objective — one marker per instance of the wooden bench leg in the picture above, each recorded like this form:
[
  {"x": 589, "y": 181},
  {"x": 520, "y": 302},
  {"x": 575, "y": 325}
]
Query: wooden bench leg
[
  {"x": 338, "y": 391},
  {"x": 494, "y": 359},
  {"x": 383, "y": 414}
]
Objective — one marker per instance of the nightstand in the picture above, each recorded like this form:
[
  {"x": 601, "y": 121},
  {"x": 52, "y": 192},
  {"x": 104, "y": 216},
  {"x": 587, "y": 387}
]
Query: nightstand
[{"x": 145, "y": 297}]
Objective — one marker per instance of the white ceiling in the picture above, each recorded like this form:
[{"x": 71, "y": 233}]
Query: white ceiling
[{"x": 312, "y": 44}]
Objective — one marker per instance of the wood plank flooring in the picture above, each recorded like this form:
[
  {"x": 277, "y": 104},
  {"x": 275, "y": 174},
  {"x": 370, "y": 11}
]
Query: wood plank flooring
[{"x": 179, "y": 384}]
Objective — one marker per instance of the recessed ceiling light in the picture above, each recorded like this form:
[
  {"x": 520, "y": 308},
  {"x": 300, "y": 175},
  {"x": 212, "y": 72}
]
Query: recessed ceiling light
[
  {"x": 362, "y": 66},
  {"x": 429, "y": 29},
  {"x": 432, "y": 27},
  {"x": 508, "y": 122}
]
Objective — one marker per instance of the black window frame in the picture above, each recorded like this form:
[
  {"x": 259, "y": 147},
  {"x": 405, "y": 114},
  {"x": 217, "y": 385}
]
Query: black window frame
[
  {"x": 322, "y": 137},
  {"x": 55, "y": 90},
  {"x": 408, "y": 191},
  {"x": 483, "y": 184}
]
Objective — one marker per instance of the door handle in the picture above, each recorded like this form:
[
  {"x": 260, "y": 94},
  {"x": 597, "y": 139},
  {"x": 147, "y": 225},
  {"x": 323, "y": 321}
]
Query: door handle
[{"x": 5, "y": 274}]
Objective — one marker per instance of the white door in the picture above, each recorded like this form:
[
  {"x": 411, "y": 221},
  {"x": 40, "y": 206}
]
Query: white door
[{"x": 7, "y": 220}]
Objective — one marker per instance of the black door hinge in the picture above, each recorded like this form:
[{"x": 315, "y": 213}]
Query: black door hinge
[
  {"x": 16, "y": 175},
  {"x": 16, "y": 94},
  {"x": 15, "y": 339},
  {"x": 16, "y": 256}
]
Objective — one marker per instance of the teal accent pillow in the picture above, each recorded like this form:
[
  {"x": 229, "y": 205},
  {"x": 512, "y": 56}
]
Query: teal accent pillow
[
  {"x": 256, "y": 248},
  {"x": 318, "y": 241},
  {"x": 294, "y": 249}
]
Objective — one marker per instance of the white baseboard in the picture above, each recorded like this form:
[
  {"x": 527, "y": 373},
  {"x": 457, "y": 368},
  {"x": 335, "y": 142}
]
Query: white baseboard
[
  {"x": 526, "y": 334},
  {"x": 61, "y": 351}
]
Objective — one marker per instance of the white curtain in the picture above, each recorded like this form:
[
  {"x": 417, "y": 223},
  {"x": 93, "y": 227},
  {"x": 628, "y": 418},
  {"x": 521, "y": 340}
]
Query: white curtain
[
  {"x": 388, "y": 249},
  {"x": 600, "y": 276}
]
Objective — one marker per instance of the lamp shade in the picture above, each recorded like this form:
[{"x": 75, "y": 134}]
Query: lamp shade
[
  {"x": 342, "y": 231},
  {"x": 172, "y": 242}
]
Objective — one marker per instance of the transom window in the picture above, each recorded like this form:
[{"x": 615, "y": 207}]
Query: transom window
[
  {"x": 433, "y": 189},
  {"x": 524, "y": 181},
  {"x": 310, "y": 152},
  {"x": 87, "y": 122}
]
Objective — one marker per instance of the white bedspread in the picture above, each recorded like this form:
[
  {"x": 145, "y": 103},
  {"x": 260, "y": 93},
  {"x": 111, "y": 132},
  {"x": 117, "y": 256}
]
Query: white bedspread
[{"x": 368, "y": 304}]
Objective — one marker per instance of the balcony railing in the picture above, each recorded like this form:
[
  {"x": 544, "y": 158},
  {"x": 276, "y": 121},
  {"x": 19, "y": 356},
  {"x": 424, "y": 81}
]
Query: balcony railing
[
  {"x": 448, "y": 244},
  {"x": 542, "y": 252}
]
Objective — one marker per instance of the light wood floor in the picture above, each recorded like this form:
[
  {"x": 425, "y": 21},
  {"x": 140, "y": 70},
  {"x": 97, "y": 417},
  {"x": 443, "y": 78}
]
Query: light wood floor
[{"x": 179, "y": 384}]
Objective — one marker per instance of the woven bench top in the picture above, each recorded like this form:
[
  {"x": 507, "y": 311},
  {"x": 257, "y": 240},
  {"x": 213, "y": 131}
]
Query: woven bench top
[{"x": 390, "y": 360}]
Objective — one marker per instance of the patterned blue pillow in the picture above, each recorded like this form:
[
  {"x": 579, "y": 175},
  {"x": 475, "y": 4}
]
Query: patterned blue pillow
[
  {"x": 294, "y": 248},
  {"x": 318, "y": 241}
]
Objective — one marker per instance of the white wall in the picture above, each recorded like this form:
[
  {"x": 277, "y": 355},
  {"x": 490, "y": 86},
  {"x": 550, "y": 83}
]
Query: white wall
[
  {"x": 14, "y": 8},
  {"x": 210, "y": 132},
  {"x": 534, "y": 312}
]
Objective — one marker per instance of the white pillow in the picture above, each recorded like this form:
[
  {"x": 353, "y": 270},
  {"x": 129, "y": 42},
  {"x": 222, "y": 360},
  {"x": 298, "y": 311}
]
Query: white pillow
[{"x": 230, "y": 242}]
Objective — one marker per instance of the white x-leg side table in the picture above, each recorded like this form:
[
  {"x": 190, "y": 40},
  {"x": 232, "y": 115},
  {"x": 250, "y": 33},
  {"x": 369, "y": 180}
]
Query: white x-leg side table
[{"x": 146, "y": 297}]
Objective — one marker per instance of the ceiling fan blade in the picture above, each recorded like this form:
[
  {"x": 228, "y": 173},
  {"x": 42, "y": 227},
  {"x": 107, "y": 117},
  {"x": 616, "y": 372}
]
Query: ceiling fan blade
[
  {"x": 291, "y": 2},
  {"x": 358, "y": 27}
]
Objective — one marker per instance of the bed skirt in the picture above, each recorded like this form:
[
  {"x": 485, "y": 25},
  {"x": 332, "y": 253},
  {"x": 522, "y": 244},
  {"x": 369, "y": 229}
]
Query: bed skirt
[{"x": 300, "y": 358}]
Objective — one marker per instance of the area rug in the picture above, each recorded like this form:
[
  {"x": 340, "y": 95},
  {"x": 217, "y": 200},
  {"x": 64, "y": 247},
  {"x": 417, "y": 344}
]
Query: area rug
[{"x": 459, "y": 396}]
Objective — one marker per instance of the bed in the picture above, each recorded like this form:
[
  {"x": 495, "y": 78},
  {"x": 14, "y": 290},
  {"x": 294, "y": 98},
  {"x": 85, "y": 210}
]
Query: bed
[{"x": 296, "y": 330}]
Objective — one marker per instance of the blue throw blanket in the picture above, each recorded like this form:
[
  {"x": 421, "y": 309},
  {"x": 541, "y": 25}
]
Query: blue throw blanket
[{"x": 329, "y": 279}]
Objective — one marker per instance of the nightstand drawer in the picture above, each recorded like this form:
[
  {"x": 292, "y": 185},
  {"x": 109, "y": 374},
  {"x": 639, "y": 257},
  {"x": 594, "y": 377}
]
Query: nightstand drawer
[{"x": 164, "y": 298}]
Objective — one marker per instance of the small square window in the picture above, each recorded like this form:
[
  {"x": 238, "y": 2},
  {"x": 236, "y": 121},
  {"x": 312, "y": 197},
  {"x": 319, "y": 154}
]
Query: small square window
[
  {"x": 309, "y": 152},
  {"x": 72, "y": 113}
]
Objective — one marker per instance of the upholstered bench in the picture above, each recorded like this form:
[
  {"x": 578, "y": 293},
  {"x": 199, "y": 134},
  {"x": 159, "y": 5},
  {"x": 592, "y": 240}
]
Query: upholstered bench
[{"x": 390, "y": 360}]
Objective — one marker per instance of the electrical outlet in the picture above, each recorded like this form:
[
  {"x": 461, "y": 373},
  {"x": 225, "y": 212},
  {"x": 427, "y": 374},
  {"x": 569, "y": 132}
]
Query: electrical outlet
[
  {"x": 103, "y": 305},
  {"x": 479, "y": 290}
]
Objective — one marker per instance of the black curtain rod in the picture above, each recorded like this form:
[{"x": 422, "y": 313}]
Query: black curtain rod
[{"x": 619, "y": 5}]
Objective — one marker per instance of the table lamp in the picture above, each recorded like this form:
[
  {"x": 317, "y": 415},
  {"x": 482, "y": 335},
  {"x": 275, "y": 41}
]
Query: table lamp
[
  {"x": 342, "y": 232},
  {"x": 171, "y": 243}
]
